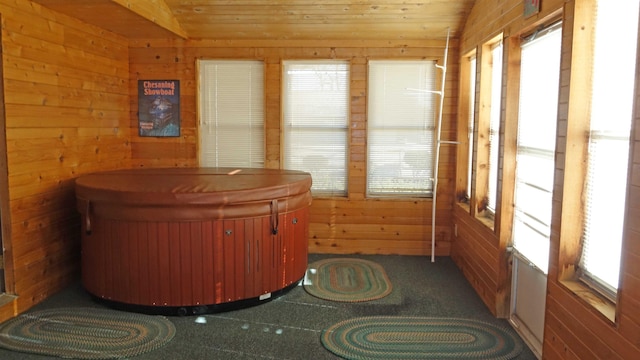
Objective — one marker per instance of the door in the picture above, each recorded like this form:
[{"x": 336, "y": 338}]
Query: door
[{"x": 537, "y": 121}]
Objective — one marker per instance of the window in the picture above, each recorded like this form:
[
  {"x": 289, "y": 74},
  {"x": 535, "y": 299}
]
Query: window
[
  {"x": 316, "y": 117},
  {"x": 400, "y": 128},
  {"x": 466, "y": 111},
  {"x": 472, "y": 110},
  {"x": 231, "y": 117},
  {"x": 535, "y": 161},
  {"x": 494, "y": 126},
  {"x": 608, "y": 149},
  {"x": 488, "y": 132}
]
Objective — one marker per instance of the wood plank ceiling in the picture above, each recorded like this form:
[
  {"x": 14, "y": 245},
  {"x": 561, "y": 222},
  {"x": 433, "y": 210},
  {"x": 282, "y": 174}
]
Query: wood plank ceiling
[{"x": 272, "y": 19}]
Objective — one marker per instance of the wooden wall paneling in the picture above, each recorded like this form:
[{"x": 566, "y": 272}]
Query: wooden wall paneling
[
  {"x": 475, "y": 256},
  {"x": 554, "y": 345},
  {"x": 155, "y": 11},
  {"x": 507, "y": 172},
  {"x": 165, "y": 64},
  {"x": 573, "y": 328},
  {"x": 629, "y": 299},
  {"x": 629, "y": 308},
  {"x": 272, "y": 90},
  {"x": 7, "y": 280},
  {"x": 66, "y": 112},
  {"x": 483, "y": 243},
  {"x": 587, "y": 326},
  {"x": 572, "y": 137},
  {"x": 410, "y": 234}
]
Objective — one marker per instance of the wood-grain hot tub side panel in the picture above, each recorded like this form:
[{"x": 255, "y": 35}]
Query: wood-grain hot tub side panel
[{"x": 224, "y": 255}]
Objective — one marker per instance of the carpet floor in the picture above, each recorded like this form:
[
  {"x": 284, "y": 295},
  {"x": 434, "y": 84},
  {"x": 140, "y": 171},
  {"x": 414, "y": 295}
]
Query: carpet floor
[{"x": 289, "y": 327}]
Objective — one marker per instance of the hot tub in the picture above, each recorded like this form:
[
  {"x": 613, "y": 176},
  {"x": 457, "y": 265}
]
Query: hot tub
[{"x": 192, "y": 240}]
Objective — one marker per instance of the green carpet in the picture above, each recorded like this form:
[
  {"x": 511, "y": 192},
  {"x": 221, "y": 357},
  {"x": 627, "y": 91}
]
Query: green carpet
[
  {"x": 85, "y": 333},
  {"x": 347, "y": 280},
  {"x": 394, "y": 337}
]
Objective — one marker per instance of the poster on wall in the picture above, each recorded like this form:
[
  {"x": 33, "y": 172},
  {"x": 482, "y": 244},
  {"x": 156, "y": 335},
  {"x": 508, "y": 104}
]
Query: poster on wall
[
  {"x": 159, "y": 108},
  {"x": 531, "y": 7}
]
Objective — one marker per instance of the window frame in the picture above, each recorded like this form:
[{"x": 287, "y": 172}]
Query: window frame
[
  {"x": 466, "y": 115},
  {"x": 535, "y": 151},
  {"x": 480, "y": 186},
  {"x": 573, "y": 156},
  {"x": 620, "y": 136}
]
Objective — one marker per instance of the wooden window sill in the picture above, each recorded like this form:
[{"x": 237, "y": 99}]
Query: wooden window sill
[
  {"x": 465, "y": 206},
  {"x": 603, "y": 305},
  {"x": 487, "y": 221}
]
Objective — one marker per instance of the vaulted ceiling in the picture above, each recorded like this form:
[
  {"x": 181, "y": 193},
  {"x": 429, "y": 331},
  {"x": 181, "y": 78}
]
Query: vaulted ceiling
[{"x": 272, "y": 19}]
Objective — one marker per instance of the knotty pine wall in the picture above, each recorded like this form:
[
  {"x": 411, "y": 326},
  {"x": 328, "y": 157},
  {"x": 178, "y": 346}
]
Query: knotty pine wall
[
  {"x": 353, "y": 224},
  {"x": 573, "y": 329},
  {"x": 66, "y": 113}
]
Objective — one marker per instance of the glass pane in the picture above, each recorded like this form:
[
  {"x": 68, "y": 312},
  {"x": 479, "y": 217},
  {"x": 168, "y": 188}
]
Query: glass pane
[
  {"x": 231, "y": 124},
  {"x": 472, "y": 104},
  {"x": 611, "y": 114},
  {"x": 403, "y": 161},
  {"x": 316, "y": 113},
  {"x": 494, "y": 126},
  {"x": 400, "y": 133},
  {"x": 606, "y": 193},
  {"x": 535, "y": 165}
]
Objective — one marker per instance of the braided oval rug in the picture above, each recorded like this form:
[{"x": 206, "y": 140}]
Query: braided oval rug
[
  {"x": 86, "y": 333},
  {"x": 347, "y": 280},
  {"x": 394, "y": 337}
]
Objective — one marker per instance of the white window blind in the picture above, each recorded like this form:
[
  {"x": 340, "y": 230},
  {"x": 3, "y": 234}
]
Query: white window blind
[
  {"x": 400, "y": 128},
  {"x": 494, "y": 125},
  {"x": 231, "y": 124},
  {"x": 472, "y": 110},
  {"x": 316, "y": 116},
  {"x": 608, "y": 162},
  {"x": 535, "y": 164}
]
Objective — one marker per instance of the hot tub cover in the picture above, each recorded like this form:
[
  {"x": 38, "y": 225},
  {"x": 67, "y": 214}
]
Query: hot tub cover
[{"x": 192, "y": 193}]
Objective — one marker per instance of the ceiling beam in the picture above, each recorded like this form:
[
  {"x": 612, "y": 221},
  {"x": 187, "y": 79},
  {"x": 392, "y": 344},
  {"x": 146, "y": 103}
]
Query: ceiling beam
[{"x": 156, "y": 11}]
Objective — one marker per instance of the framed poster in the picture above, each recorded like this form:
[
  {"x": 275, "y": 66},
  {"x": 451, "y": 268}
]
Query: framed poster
[
  {"x": 531, "y": 7},
  {"x": 159, "y": 108}
]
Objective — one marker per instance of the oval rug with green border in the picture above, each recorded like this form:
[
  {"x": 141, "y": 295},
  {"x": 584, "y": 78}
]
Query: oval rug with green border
[
  {"x": 347, "y": 280},
  {"x": 395, "y": 337},
  {"x": 85, "y": 333}
]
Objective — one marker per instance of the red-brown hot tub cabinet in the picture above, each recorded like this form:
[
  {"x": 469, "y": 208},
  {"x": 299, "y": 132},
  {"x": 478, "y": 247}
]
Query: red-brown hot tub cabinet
[{"x": 189, "y": 241}]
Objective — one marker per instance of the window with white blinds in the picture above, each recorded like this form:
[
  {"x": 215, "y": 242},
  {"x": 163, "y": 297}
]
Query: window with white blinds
[
  {"x": 608, "y": 158},
  {"x": 494, "y": 125},
  {"x": 231, "y": 116},
  {"x": 316, "y": 117},
  {"x": 400, "y": 128},
  {"x": 535, "y": 164}
]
